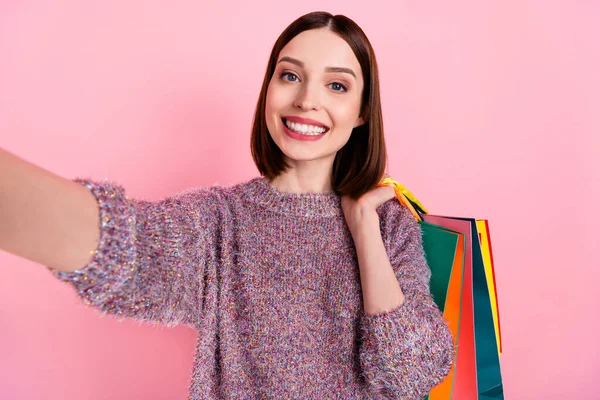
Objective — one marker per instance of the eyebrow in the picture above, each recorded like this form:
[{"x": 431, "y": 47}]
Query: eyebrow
[{"x": 327, "y": 69}]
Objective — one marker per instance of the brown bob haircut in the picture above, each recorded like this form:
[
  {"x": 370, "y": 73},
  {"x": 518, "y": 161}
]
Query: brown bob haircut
[{"x": 358, "y": 166}]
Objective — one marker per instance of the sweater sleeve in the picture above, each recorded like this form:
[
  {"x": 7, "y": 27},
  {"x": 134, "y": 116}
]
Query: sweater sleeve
[
  {"x": 150, "y": 259},
  {"x": 407, "y": 351}
]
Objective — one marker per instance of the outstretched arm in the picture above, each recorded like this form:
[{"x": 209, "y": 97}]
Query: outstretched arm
[
  {"x": 45, "y": 218},
  {"x": 127, "y": 257}
]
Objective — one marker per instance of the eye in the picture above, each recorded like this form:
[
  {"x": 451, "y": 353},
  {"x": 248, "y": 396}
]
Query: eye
[
  {"x": 338, "y": 87},
  {"x": 289, "y": 74}
]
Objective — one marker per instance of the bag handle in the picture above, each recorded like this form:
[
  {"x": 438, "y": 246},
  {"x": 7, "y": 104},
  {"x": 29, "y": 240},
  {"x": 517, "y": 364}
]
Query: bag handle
[{"x": 405, "y": 197}]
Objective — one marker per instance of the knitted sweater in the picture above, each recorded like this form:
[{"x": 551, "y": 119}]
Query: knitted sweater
[{"x": 270, "y": 280}]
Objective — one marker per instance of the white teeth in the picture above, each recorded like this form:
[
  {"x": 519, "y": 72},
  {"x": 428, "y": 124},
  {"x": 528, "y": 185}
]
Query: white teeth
[{"x": 304, "y": 129}]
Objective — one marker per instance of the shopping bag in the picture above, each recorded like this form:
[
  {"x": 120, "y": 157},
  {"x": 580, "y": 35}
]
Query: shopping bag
[
  {"x": 445, "y": 253},
  {"x": 488, "y": 261},
  {"x": 458, "y": 251}
]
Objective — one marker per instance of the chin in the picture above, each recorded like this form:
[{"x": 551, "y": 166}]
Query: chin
[{"x": 300, "y": 156}]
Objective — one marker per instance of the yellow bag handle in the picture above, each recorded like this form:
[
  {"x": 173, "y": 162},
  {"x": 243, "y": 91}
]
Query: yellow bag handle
[{"x": 404, "y": 196}]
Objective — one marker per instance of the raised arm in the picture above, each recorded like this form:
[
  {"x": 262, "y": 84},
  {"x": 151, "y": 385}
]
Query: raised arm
[
  {"x": 406, "y": 351},
  {"x": 143, "y": 260}
]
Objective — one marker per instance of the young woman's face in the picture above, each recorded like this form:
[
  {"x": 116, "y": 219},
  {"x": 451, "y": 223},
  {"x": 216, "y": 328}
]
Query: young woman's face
[{"x": 314, "y": 97}]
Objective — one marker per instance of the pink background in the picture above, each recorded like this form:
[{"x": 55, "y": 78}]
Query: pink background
[{"x": 490, "y": 111}]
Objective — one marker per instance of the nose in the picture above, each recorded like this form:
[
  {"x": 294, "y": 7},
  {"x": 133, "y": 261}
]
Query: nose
[{"x": 307, "y": 99}]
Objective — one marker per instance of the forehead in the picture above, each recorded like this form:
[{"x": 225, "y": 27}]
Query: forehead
[{"x": 320, "y": 48}]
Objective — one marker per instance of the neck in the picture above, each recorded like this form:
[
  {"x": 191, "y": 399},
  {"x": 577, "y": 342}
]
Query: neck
[
  {"x": 305, "y": 177},
  {"x": 260, "y": 191}
]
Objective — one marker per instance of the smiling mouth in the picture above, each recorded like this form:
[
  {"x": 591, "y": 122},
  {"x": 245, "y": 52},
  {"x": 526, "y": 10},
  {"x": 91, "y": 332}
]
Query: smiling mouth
[{"x": 305, "y": 129}]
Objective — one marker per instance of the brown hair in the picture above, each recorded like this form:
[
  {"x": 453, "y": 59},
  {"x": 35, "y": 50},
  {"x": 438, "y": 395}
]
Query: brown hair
[{"x": 358, "y": 166}]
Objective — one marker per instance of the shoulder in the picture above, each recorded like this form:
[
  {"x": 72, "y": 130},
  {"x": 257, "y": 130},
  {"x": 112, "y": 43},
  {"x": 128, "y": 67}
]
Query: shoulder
[
  {"x": 392, "y": 212},
  {"x": 215, "y": 195},
  {"x": 218, "y": 199},
  {"x": 396, "y": 221},
  {"x": 208, "y": 197}
]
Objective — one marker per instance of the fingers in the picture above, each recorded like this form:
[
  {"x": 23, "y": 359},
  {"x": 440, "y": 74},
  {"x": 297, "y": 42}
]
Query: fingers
[{"x": 383, "y": 194}]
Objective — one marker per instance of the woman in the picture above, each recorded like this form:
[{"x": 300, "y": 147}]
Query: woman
[{"x": 307, "y": 282}]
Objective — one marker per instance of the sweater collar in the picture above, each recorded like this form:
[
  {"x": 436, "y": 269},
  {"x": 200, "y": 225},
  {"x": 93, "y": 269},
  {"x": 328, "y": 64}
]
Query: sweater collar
[{"x": 260, "y": 191}]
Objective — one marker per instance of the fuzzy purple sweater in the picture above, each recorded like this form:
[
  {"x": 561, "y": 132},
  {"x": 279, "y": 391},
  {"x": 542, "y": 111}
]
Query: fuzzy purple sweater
[{"x": 271, "y": 282}]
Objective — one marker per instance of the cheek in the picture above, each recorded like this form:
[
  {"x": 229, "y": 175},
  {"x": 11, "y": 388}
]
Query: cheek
[
  {"x": 269, "y": 100},
  {"x": 273, "y": 108},
  {"x": 277, "y": 97},
  {"x": 345, "y": 115}
]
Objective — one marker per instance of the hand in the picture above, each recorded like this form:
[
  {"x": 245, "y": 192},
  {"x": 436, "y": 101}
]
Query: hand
[{"x": 360, "y": 211}]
